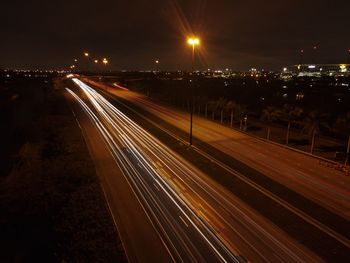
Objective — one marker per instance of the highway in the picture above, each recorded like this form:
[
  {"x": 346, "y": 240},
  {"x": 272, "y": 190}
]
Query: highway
[
  {"x": 300, "y": 173},
  {"x": 195, "y": 218}
]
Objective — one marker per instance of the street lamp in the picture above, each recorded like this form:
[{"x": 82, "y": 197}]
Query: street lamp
[
  {"x": 193, "y": 41},
  {"x": 301, "y": 57},
  {"x": 315, "y": 49},
  {"x": 157, "y": 65},
  {"x": 86, "y": 62}
]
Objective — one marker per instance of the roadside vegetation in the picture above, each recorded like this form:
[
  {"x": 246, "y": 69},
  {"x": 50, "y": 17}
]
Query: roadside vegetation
[
  {"x": 310, "y": 114},
  {"x": 52, "y": 205}
]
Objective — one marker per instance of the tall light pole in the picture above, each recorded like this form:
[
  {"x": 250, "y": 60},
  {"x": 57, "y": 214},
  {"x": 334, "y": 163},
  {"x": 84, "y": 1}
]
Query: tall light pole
[
  {"x": 86, "y": 55},
  {"x": 105, "y": 61},
  {"x": 193, "y": 41},
  {"x": 315, "y": 48},
  {"x": 157, "y": 65},
  {"x": 301, "y": 56}
]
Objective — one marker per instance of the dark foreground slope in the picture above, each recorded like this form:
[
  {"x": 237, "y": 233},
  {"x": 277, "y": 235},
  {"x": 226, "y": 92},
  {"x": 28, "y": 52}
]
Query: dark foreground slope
[{"x": 52, "y": 206}]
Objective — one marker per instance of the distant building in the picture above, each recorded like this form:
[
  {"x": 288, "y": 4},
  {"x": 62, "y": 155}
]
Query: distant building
[{"x": 318, "y": 70}]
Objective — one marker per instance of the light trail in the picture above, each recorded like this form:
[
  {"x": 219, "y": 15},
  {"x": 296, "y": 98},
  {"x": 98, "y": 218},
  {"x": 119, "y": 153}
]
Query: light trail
[
  {"x": 196, "y": 215},
  {"x": 118, "y": 134}
]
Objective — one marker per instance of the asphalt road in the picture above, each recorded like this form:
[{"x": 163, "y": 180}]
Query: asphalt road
[
  {"x": 188, "y": 216},
  {"x": 308, "y": 220},
  {"x": 300, "y": 173},
  {"x": 125, "y": 208}
]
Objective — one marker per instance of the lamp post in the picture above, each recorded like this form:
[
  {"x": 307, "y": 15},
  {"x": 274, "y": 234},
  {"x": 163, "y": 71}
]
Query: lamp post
[
  {"x": 105, "y": 61},
  {"x": 315, "y": 48},
  {"x": 301, "y": 57},
  {"x": 157, "y": 65},
  {"x": 193, "y": 41},
  {"x": 86, "y": 55}
]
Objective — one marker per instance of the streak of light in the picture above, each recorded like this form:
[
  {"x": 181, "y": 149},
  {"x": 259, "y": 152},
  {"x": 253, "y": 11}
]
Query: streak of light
[
  {"x": 114, "y": 125},
  {"x": 172, "y": 179}
]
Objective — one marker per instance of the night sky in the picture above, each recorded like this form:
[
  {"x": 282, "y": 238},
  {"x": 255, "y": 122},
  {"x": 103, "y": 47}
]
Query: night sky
[{"x": 132, "y": 34}]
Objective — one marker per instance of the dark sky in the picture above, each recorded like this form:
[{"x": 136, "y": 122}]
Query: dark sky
[{"x": 236, "y": 34}]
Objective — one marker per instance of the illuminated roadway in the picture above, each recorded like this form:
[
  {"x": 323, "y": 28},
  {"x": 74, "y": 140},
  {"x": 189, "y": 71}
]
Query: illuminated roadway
[
  {"x": 194, "y": 218},
  {"x": 301, "y": 173}
]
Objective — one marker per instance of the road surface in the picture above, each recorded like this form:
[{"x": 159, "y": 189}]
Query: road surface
[
  {"x": 195, "y": 218},
  {"x": 300, "y": 173}
]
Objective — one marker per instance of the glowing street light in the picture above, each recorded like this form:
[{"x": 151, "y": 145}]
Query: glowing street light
[
  {"x": 301, "y": 56},
  {"x": 86, "y": 54},
  {"x": 157, "y": 65},
  {"x": 193, "y": 41},
  {"x": 96, "y": 61},
  {"x": 75, "y": 60},
  {"x": 315, "y": 49},
  {"x": 105, "y": 61}
]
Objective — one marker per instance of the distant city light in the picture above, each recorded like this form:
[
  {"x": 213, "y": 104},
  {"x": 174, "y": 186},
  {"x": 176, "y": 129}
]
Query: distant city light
[{"x": 342, "y": 68}]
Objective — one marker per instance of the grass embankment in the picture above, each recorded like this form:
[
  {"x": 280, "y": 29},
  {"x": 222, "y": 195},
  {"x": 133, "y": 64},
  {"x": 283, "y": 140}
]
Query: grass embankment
[{"x": 52, "y": 205}]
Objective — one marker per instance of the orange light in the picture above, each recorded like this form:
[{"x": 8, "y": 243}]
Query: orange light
[{"x": 193, "y": 41}]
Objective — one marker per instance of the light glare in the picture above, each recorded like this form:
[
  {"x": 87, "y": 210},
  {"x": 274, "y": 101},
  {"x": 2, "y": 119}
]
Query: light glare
[{"x": 193, "y": 41}]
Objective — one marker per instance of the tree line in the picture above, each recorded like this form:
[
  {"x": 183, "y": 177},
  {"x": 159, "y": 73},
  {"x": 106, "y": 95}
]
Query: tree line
[{"x": 312, "y": 123}]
